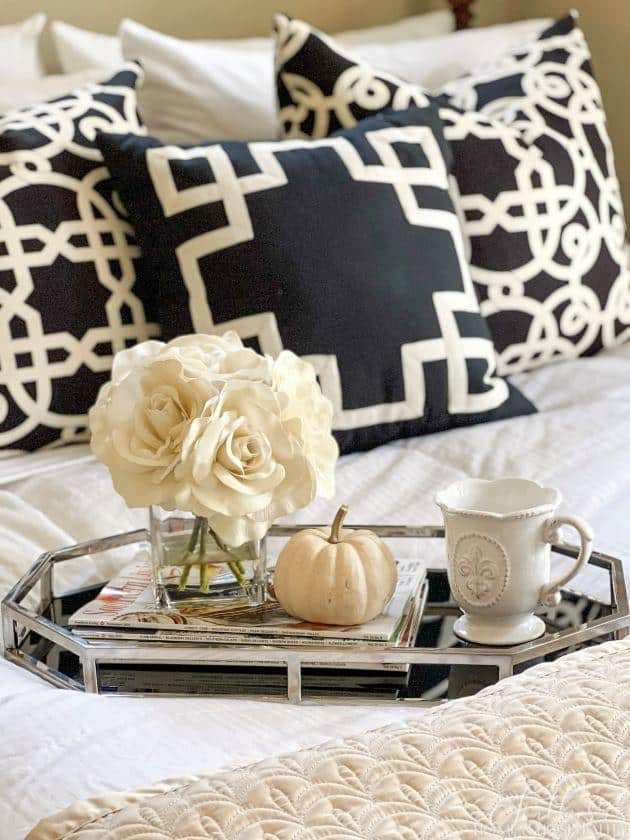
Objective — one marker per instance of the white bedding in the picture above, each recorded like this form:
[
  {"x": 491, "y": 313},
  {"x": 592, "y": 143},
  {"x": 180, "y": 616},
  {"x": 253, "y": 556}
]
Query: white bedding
[
  {"x": 56, "y": 746},
  {"x": 543, "y": 755}
]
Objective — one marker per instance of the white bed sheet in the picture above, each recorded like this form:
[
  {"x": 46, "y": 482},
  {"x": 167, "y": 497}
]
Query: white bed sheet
[{"x": 58, "y": 746}]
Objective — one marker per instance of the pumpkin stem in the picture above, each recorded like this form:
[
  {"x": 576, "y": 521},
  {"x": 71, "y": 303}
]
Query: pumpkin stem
[{"x": 337, "y": 523}]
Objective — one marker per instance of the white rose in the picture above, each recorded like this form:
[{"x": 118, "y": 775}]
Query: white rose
[
  {"x": 308, "y": 413},
  {"x": 207, "y": 425},
  {"x": 223, "y": 354},
  {"x": 143, "y": 415},
  {"x": 241, "y": 466}
]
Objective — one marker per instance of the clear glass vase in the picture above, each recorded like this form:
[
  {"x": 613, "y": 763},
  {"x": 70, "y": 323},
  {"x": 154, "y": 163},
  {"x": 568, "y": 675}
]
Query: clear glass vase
[{"x": 192, "y": 565}]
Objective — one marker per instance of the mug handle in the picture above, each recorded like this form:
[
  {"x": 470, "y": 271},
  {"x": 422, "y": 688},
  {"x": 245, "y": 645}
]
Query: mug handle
[{"x": 549, "y": 594}]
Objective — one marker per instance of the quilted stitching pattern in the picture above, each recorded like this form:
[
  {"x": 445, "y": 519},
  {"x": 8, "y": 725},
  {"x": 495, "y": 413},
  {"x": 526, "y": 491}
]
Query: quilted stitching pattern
[{"x": 546, "y": 755}]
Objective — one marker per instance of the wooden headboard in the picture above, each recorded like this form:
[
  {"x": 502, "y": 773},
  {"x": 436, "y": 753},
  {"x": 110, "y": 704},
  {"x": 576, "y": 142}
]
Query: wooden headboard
[{"x": 462, "y": 9}]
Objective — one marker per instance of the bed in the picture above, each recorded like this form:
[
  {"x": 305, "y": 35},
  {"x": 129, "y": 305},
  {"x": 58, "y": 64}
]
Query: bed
[
  {"x": 64, "y": 746},
  {"x": 539, "y": 755},
  {"x": 57, "y": 747}
]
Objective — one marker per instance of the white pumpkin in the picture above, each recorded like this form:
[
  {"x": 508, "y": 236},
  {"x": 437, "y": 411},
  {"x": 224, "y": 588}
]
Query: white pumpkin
[{"x": 345, "y": 577}]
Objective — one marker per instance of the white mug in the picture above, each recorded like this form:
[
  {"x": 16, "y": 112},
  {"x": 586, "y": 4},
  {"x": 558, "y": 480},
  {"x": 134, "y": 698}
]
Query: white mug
[{"x": 498, "y": 538}]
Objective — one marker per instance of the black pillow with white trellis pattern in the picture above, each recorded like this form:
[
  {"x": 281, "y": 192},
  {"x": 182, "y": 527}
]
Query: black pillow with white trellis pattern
[
  {"x": 68, "y": 293},
  {"x": 539, "y": 198},
  {"x": 346, "y": 251}
]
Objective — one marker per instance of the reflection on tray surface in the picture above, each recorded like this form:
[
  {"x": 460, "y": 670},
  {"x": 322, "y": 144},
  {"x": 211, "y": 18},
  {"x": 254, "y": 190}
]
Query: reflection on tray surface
[{"x": 430, "y": 682}]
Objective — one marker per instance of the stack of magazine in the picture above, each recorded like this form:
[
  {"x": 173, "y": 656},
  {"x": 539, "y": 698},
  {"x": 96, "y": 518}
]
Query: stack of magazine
[{"x": 125, "y": 611}]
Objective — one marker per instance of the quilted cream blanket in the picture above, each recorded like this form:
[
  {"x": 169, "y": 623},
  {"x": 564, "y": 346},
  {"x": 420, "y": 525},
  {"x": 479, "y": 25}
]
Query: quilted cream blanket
[{"x": 545, "y": 754}]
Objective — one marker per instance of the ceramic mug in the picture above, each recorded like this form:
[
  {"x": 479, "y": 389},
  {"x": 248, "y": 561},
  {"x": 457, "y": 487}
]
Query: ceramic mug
[{"x": 498, "y": 537}]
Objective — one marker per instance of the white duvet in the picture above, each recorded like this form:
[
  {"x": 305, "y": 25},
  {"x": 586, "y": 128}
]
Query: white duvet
[{"x": 57, "y": 746}]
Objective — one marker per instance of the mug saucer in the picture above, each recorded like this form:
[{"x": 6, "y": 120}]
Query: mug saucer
[{"x": 499, "y": 632}]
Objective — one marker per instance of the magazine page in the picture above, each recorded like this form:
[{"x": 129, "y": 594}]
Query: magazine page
[{"x": 127, "y": 602}]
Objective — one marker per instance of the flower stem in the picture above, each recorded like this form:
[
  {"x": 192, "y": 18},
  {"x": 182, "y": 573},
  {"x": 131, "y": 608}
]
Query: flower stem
[
  {"x": 204, "y": 577},
  {"x": 236, "y": 567},
  {"x": 204, "y": 568},
  {"x": 185, "y": 575},
  {"x": 234, "y": 564},
  {"x": 196, "y": 552},
  {"x": 190, "y": 548}
]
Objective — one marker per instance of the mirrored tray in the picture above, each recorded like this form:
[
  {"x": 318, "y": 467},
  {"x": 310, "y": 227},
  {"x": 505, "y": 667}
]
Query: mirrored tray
[{"x": 438, "y": 667}]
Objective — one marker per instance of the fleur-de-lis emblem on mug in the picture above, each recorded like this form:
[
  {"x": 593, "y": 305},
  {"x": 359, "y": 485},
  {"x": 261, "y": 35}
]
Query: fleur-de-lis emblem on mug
[
  {"x": 480, "y": 569},
  {"x": 478, "y": 573}
]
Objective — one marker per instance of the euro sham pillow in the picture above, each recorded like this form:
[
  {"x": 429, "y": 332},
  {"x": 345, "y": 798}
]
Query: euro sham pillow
[
  {"x": 538, "y": 194},
  {"x": 200, "y": 91},
  {"x": 81, "y": 49},
  {"x": 196, "y": 91},
  {"x": 69, "y": 298},
  {"x": 19, "y": 49},
  {"x": 346, "y": 251},
  {"x": 20, "y": 93},
  {"x": 441, "y": 59}
]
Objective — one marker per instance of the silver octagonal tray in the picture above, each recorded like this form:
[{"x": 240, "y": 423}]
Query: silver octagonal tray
[{"x": 438, "y": 667}]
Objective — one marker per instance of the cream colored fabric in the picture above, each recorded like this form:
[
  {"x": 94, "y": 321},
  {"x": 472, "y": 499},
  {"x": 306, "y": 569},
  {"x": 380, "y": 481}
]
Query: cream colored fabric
[
  {"x": 19, "y": 93},
  {"x": 416, "y": 27},
  {"x": 440, "y": 60},
  {"x": 78, "y": 49},
  {"x": 542, "y": 755},
  {"x": 19, "y": 48}
]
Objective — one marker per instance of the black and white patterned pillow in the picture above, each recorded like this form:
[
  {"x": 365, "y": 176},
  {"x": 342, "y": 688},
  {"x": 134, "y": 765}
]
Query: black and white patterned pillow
[
  {"x": 68, "y": 293},
  {"x": 539, "y": 197},
  {"x": 346, "y": 251}
]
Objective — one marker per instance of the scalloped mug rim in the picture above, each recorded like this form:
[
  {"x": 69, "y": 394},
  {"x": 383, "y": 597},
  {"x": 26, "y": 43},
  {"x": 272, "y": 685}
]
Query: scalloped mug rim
[{"x": 447, "y": 504}]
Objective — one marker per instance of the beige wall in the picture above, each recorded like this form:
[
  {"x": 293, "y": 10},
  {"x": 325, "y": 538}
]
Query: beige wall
[
  {"x": 605, "y": 22},
  {"x": 212, "y": 18}
]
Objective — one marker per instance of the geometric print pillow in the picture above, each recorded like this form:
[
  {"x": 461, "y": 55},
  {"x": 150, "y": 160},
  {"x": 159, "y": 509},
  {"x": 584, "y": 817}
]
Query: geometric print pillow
[
  {"x": 69, "y": 299},
  {"x": 538, "y": 194},
  {"x": 346, "y": 251}
]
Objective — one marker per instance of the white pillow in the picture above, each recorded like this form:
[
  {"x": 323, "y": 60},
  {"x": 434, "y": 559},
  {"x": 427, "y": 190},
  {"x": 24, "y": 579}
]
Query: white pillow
[
  {"x": 80, "y": 49},
  {"x": 415, "y": 27},
  {"x": 429, "y": 25},
  {"x": 439, "y": 60},
  {"x": 19, "y": 93},
  {"x": 19, "y": 49},
  {"x": 196, "y": 92}
]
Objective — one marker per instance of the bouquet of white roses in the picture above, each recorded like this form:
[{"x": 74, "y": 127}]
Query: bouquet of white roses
[{"x": 206, "y": 425}]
